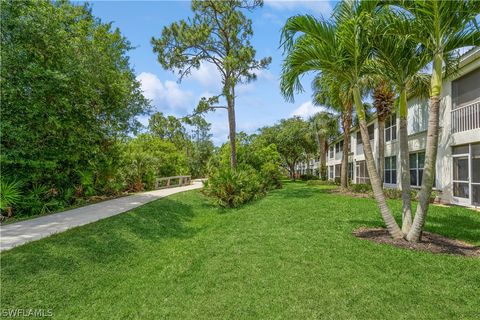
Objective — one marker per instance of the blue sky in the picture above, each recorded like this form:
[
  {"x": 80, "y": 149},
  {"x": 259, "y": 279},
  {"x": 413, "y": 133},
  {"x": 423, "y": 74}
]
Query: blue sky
[{"x": 258, "y": 103}]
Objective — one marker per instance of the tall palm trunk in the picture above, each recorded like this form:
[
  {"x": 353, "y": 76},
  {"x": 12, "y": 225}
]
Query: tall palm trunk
[
  {"x": 232, "y": 126},
  {"x": 381, "y": 148},
  {"x": 415, "y": 232},
  {"x": 347, "y": 123},
  {"x": 387, "y": 216},
  {"x": 404, "y": 164},
  {"x": 322, "y": 159},
  {"x": 383, "y": 101}
]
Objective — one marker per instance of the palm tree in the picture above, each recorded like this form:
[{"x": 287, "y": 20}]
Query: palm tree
[
  {"x": 441, "y": 28},
  {"x": 391, "y": 51},
  {"x": 331, "y": 93},
  {"x": 340, "y": 49},
  {"x": 383, "y": 101},
  {"x": 324, "y": 126}
]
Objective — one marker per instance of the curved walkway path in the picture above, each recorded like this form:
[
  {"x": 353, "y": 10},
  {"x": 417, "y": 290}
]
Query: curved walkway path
[{"x": 18, "y": 233}]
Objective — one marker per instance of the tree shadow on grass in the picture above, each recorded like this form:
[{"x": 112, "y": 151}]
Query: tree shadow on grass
[
  {"x": 299, "y": 193},
  {"x": 115, "y": 239},
  {"x": 462, "y": 227}
]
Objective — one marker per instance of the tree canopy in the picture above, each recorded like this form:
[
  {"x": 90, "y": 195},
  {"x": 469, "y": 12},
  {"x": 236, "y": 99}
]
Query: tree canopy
[{"x": 219, "y": 33}]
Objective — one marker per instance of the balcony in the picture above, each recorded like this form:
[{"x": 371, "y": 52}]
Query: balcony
[{"x": 466, "y": 118}]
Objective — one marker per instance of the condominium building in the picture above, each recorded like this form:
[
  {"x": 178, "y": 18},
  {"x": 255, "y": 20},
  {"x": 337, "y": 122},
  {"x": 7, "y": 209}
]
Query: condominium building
[{"x": 457, "y": 179}]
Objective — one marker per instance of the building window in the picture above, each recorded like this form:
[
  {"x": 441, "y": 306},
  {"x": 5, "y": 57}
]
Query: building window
[
  {"x": 331, "y": 152},
  {"x": 371, "y": 132},
  {"x": 466, "y": 90},
  {"x": 339, "y": 147},
  {"x": 330, "y": 172},
  {"x": 362, "y": 173},
  {"x": 475, "y": 169},
  {"x": 391, "y": 128},
  {"x": 337, "y": 170},
  {"x": 390, "y": 173},
  {"x": 359, "y": 138},
  {"x": 417, "y": 162},
  {"x": 350, "y": 171},
  {"x": 461, "y": 179}
]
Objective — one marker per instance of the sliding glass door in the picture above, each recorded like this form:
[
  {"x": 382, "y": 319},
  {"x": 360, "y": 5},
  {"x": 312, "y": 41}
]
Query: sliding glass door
[
  {"x": 466, "y": 174},
  {"x": 475, "y": 169}
]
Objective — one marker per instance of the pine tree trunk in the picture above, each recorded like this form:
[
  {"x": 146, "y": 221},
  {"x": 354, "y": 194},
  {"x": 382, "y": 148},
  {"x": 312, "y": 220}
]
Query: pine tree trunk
[
  {"x": 387, "y": 216},
  {"x": 381, "y": 149},
  {"x": 415, "y": 233},
  {"x": 405, "y": 165},
  {"x": 232, "y": 128}
]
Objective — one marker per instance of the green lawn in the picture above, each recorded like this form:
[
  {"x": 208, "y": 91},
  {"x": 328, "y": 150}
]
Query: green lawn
[{"x": 290, "y": 255}]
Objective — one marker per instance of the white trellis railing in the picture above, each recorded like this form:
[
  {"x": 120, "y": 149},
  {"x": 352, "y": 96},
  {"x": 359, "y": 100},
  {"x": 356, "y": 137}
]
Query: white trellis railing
[
  {"x": 466, "y": 118},
  {"x": 175, "y": 181}
]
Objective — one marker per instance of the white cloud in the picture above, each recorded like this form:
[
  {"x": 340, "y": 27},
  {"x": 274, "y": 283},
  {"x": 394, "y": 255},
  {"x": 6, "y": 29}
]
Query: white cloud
[
  {"x": 320, "y": 7},
  {"x": 206, "y": 94},
  {"x": 167, "y": 96},
  {"x": 265, "y": 74},
  {"x": 207, "y": 75},
  {"x": 306, "y": 110},
  {"x": 245, "y": 88},
  {"x": 272, "y": 18}
]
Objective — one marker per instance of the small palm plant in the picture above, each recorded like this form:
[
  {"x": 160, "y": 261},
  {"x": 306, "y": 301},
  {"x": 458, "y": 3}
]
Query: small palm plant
[{"x": 9, "y": 195}]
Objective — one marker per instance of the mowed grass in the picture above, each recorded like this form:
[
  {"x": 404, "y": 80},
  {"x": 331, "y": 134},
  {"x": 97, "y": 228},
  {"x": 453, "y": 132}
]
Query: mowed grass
[{"x": 290, "y": 255}]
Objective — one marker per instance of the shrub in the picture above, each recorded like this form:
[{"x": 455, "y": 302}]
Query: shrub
[
  {"x": 9, "y": 195},
  {"x": 306, "y": 177},
  {"x": 271, "y": 176},
  {"x": 392, "y": 193},
  {"x": 232, "y": 187},
  {"x": 397, "y": 194},
  {"x": 320, "y": 183},
  {"x": 361, "y": 188}
]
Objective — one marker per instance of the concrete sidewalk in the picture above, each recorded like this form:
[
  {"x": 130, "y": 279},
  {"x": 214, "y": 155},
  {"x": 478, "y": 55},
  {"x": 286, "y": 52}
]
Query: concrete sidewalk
[{"x": 16, "y": 234}]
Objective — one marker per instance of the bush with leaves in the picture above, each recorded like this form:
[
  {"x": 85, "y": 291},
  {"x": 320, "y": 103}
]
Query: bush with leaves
[
  {"x": 230, "y": 188},
  {"x": 68, "y": 96},
  {"x": 148, "y": 157},
  {"x": 255, "y": 153},
  {"x": 10, "y": 195},
  {"x": 257, "y": 172},
  {"x": 306, "y": 177},
  {"x": 361, "y": 188}
]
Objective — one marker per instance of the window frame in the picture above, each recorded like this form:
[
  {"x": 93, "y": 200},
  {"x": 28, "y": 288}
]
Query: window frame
[
  {"x": 330, "y": 173},
  {"x": 457, "y": 181},
  {"x": 391, "y": 128},
  {"x": 372, "y": 138},
  {"x": 365, "y": 179},
  {"x": 418, "y": 170},
  {"x": 359, "y": 138},
  {"x": 392, "y": 170},
  {"x": 339, "y": 166}
]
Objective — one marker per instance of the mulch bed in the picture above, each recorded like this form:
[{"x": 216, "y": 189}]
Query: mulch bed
[{"x": 430, "y": 242}]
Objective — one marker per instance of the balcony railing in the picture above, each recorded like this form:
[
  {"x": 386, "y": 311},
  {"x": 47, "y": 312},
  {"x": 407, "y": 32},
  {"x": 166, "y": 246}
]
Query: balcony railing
[{"x": 466, "y": 118}]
